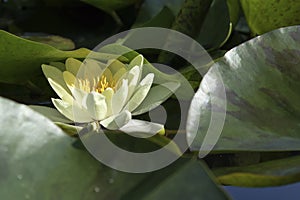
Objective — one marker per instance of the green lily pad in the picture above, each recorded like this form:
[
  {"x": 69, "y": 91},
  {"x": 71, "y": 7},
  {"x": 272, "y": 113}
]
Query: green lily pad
[
  {"x": 56, "y": 41},
  {"x": 38, "y": 161},
  {"x": 270, "y": 173},
  {"x": 261, "y": 79},
  {"x": 169, "y": 188},
  {"x": 21, "y": 59},
  {"x": 264, "y": 16}
]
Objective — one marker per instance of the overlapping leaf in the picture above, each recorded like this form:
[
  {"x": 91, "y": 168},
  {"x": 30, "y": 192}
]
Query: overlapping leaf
[
  {"x": 21, "y": 59},
  {"x": 270, "y": 173},
  {"x": 261, "y": 79},
  {"x": 38, "y": 161}
]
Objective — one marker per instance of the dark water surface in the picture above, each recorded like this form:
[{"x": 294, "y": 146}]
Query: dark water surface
[{"x": 287, "y": 192}]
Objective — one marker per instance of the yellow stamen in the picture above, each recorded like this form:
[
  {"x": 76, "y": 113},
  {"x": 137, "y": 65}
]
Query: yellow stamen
[
  {"x": 84, "y": 85},
  {"x": 103, "y": 84}
]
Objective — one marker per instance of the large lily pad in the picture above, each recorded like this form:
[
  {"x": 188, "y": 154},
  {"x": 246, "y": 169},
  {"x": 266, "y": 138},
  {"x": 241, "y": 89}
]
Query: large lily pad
[
  {"x": 21, "y": 59},
  {"x": 38, "y": 161},
  {"x": 261, "y": 79}
]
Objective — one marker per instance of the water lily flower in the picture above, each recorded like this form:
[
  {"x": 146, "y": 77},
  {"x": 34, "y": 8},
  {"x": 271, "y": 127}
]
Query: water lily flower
[{"x": 111, "y": 94}]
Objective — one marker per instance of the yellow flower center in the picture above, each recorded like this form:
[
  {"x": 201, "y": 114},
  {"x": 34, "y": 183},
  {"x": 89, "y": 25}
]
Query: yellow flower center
[{"x": 104, "y": 83}]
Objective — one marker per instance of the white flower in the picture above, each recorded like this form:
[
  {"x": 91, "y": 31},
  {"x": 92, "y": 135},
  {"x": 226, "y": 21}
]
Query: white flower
[{"x": 90, "y": 92}]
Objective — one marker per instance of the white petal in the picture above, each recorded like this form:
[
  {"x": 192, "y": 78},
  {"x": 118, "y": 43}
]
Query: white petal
[
  {"x": 107, "y": 73},
  {"x": 134, "y": 72},
  {"x": 55, "y": 74},
  {"x": 119, "y": 98},
  {"x": 90, "y": 70},
  {"x": 148, "y": 80},
  {"x": 71, "y": 111},
  {"x": 115, "y": 122},
  {"x": 51, "y": 113},
  {"x": 142, "y": 129},
  {"x": 115, "y": 65},
  {"x": 120, "y": 73},
  {"x": 78, "y": 94},
  {"x": 108, "y": 93},
  {"x": 69, "y": 79},
  {"x": 80, "y": 114},
  {"x": 141, "y": 93},
  {"x": 60, "y": 91},
  {"x": 64, "y": 108},
  {"x": 133, "y": 78},
  {"x": 138, "y": 60},
  {"x": 156, "y": 96},
  {"x": 73, "y": 65},
  {"x": 96, "y": 105}
]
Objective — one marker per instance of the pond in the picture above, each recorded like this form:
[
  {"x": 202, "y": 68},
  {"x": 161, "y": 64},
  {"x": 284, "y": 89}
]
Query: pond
[{"x": 290, "y": 192}]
